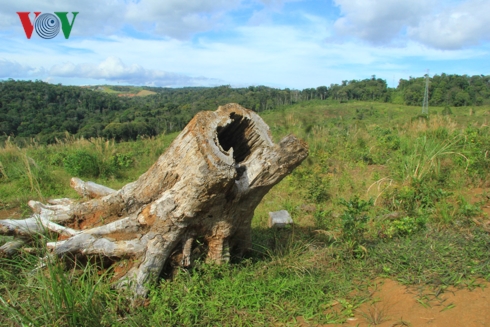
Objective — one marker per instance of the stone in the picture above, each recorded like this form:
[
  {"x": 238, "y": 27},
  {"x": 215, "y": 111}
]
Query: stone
[{"x": 279, "y": 219}]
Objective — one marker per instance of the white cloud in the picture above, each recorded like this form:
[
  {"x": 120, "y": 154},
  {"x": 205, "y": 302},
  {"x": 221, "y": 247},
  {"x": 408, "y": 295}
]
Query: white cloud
[
  {"x": 176, "y": 18},
  {"x": 378, "y": 21},
  {"x": 181, "y": 19},
  {"x": 114, "y": 70},
  {"x": 457, "y": 26},
  {"x": 12, "y": 69},
  {"x": 268, "y": 54},
  {"x": 435, "y": 23},
  {"x": 295, "y": 53},
  {"x": 170, "y": 18}
]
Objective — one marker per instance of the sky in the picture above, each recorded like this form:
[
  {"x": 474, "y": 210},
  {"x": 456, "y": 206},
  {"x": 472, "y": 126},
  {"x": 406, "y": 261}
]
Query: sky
[{"x": 278, "y": 43}]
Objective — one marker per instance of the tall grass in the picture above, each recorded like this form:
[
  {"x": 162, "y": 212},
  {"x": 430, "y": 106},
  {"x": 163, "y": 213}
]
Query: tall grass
[
  {"x": 424, "y": 156},
  {"x": 53, "y": 296},
  {"x": 38, "y": 172}
]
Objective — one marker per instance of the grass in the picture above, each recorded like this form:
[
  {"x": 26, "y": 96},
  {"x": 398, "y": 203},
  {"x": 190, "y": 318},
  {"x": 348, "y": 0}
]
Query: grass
[
  {"x": 138, "y": 91},
  {"x": 381, "y": 195},
  {"x": 56, "y": 297},
  {"x": 375, "y": 314}
]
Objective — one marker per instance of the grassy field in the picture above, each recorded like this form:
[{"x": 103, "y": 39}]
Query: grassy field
[
  {"x": 132, "y": 90},
  {"x": 383, "y": 193}
]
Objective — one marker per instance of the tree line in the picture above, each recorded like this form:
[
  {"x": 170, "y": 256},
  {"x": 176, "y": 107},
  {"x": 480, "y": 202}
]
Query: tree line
[{"x": 46, "y": 111}]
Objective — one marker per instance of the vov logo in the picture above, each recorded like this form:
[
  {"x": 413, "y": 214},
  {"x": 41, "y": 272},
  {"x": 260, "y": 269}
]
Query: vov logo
[{"x": 47, "y": 25}]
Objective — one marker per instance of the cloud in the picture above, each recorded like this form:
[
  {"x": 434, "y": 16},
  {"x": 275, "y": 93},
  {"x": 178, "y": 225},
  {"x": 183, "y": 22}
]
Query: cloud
[
  {"x": 12, "y": 69},
  {"x": 435, "y": 23},
  {"x": 170, "y": 18},
  {"x": 179, "y": 19},
  {"x": 182, "y": 19},
  {"x": 379, "y": 21},
  {"x": 458, "y": 26},
  {"x": 292, "y": 48},
  {"x": 114, "y": 70}
]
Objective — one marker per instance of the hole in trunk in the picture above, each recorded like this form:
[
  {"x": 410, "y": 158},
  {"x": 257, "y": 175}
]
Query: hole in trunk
[{"x": 237, "y": 135}]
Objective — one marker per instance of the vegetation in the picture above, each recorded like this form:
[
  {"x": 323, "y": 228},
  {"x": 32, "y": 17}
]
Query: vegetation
[
  {"x": 382, "y": 194},
  {"x": 447, "y": 90},
  {"x": 37, "y": 109}
]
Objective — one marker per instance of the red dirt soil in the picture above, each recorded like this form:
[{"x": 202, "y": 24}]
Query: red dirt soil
[{"x": 394, "y": 304}]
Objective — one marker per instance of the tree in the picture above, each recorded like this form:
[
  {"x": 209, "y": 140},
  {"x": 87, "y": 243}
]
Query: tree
[
  {"x": 204, "y": 187},
  {"x": 461, "y": 99}
]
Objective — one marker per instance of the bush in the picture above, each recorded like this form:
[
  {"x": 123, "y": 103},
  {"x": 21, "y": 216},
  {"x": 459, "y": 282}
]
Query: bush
[
  {"x": 318, "y": 190},
  {"x": 82, "y": 164},
  {"x": 122, "y": 161},
  {"x": 355, "y": 217},
  {"x": 406, "y": 226}
]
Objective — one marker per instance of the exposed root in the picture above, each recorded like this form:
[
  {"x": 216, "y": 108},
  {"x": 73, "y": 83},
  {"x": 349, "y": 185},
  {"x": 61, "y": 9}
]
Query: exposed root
[
  {"x": 23, "y": 227},
  {"x": 62, "y": 230},
  {"x": 90, "y": 189},
  {"x": 125, "y": 225}
]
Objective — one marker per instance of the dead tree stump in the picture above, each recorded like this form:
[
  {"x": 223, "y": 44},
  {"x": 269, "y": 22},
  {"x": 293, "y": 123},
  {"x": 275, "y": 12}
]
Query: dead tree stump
[{"x": 206, "y": 185}]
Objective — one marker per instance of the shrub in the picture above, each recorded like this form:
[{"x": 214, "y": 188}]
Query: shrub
[
  {"x": 318, "y": 190},
  {"x": 121, "y": 160},
  {"x": 406, "y": 226},
  {"x": 81, "y": 164},
  {"x": 354, "y": 218}
]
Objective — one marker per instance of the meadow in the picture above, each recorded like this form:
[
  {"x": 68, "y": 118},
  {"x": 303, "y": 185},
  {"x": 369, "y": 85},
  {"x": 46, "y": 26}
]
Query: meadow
[{"x": 384, "y": 193}]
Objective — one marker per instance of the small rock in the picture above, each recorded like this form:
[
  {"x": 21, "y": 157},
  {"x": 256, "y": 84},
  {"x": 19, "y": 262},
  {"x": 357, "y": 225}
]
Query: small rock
[{"x": 279, "y": 219}]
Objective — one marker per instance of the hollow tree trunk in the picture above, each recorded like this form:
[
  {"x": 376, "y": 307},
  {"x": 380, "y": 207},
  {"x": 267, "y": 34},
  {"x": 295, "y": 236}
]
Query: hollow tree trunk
[{"x": 206, "y": 185}]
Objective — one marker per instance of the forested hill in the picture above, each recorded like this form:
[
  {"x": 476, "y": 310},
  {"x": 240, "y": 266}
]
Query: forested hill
[
  {"x": 445, "y": 90},
  {"x": 47, "y": 111}
]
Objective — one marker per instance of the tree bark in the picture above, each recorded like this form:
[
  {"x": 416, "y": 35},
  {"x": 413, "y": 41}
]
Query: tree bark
[{"x": 205, "y": 187}]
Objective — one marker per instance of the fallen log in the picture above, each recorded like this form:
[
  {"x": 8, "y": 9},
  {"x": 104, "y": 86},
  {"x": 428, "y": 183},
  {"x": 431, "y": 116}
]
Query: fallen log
[{"x": 206, "y": 186}]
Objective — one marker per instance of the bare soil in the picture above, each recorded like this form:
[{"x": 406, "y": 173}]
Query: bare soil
[
  {"x": 481, "y": 196},
  {"x": 394, "y": 305},
  {"x": 14, "y": 213}
]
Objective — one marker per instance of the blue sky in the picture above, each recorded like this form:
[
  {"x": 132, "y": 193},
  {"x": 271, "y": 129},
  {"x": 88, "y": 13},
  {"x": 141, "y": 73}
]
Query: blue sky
[{"x": 280, "y": 43}]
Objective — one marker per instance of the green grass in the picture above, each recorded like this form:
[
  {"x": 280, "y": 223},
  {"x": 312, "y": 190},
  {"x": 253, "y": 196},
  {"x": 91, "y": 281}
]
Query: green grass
[
  {"x": 53, "y": 296},
  {"x": 381, "y": 195}
]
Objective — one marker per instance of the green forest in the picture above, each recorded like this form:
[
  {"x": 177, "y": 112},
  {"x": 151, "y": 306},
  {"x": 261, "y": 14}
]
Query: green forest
[{"x": 47, "y": 112}]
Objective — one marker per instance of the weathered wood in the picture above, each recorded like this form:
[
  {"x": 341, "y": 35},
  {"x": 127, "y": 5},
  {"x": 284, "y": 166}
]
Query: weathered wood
[
  {"x": 90, "y": 189},
  {"x": 22, "y": 227},
  {"x": 10, "y": 248},
  {"x": 206, "y": 186}
]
